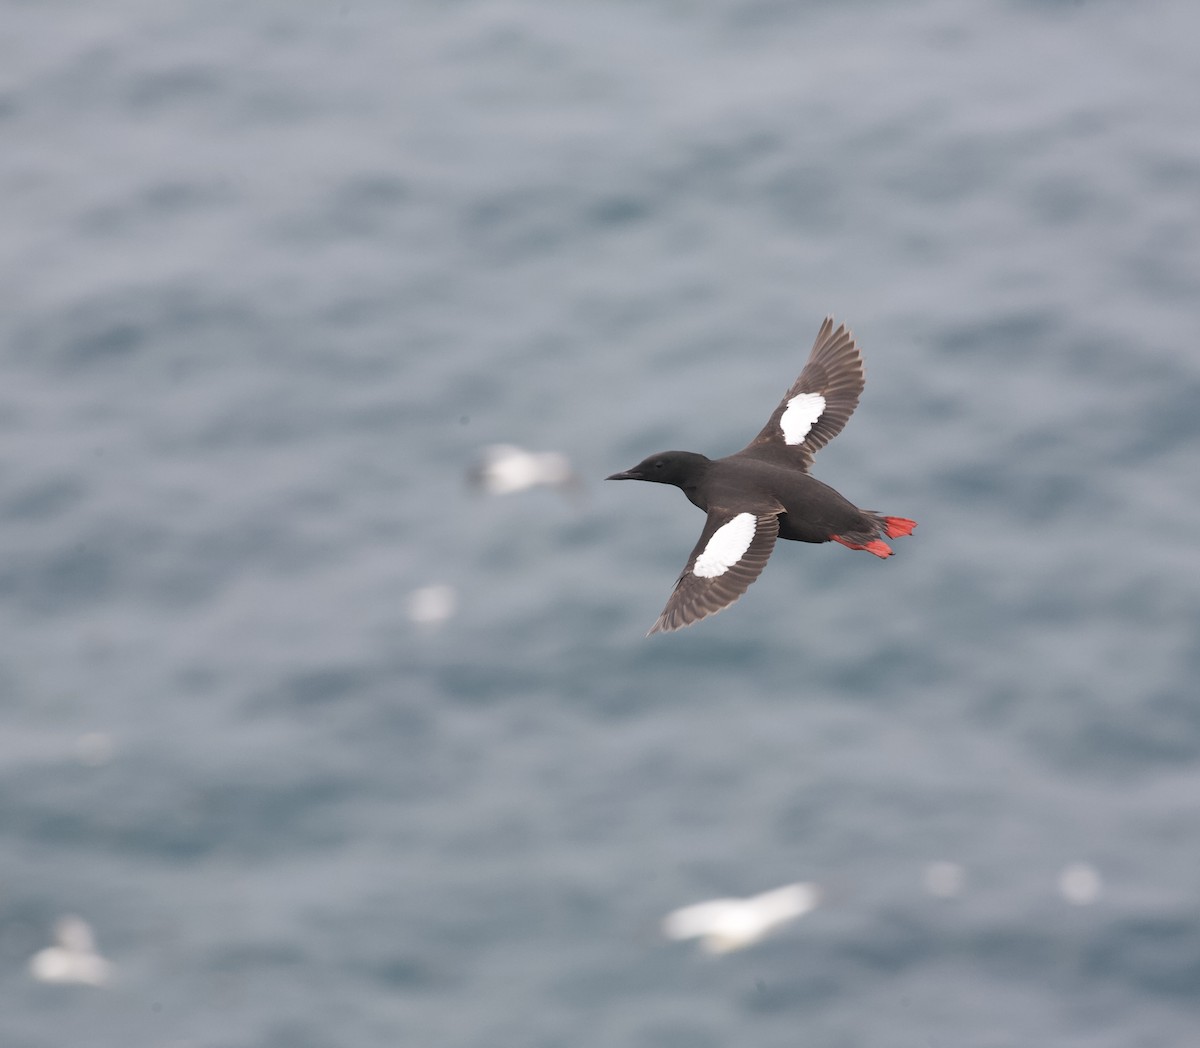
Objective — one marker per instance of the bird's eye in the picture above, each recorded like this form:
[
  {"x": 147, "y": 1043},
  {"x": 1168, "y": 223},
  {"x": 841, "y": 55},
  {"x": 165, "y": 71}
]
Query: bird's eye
[{"x": 659, "y": 464}]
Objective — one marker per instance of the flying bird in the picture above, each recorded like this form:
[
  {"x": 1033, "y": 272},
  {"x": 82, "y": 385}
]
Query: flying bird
[
  {"x": 504, "y": 469},
  {"x": 765, "y": 491},
  {"x": 73, "y": 958},
  {"x": 724, "y": 925}
]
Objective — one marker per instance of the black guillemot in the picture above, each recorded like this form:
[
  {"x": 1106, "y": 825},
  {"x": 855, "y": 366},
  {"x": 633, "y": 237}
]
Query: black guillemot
[{"x": 765, "y": 492}]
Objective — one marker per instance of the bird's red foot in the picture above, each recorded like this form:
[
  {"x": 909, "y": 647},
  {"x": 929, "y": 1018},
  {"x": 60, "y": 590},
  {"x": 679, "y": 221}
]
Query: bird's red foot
[
  {"x": 876, "y": 546},
  {"x": 894, "y": 527}
]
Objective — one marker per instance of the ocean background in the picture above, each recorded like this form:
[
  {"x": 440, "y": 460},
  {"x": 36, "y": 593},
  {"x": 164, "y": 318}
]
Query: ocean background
[{"x": 274, "y": 273}]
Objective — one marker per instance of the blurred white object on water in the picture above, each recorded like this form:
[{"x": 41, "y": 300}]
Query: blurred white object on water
[
  {"x": 73, "y": 960},
  {"x": 723, "y": 925},
  {"x": 432, "y": 605},
  {"x": 1080, "y": 883},
  {"x": 944, "y": 880},
  {"x": 504, "y": 469}
]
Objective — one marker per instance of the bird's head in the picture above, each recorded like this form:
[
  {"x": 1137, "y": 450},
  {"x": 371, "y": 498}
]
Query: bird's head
[{"x": 681, "y": 468}]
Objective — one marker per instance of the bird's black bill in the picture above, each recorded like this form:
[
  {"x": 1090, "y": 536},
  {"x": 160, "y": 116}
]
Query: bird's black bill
[{"x": 625, "y": 474}]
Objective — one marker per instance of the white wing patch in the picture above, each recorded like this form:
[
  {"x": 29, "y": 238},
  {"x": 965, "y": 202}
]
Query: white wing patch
[
  {"x": 802, "y": 412},
  {"x": 726, "y": 546}
]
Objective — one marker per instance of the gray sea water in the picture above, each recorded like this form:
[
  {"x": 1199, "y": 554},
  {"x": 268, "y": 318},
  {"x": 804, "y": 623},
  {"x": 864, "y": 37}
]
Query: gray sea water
[{"x": 274, "y": 273}]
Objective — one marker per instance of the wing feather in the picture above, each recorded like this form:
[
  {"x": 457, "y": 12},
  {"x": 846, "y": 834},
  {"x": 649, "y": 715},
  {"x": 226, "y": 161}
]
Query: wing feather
[
  {"x": 726, "y": 570},
  {"x": 819, "y": 403}
]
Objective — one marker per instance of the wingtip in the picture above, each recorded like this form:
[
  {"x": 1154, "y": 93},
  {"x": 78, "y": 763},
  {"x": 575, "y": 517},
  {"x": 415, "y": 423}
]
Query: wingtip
[{"x": 670, "y": 623}]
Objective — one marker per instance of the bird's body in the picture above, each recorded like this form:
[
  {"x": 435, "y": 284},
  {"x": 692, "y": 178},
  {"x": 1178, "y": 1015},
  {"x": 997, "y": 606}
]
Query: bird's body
[
  {"x": 808, "y": 510},
  {"x": 765, "y": 491}
]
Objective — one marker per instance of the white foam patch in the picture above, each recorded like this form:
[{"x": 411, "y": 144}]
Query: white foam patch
[
  {"x": 801, "y": 414},
  {"x": 726, "y": 546}
]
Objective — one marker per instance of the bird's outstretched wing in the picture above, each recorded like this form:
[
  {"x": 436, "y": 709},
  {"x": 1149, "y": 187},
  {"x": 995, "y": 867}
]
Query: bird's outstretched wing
[
  {"x": 818, "y": 405},
  {"x": 732, "y": 551}
]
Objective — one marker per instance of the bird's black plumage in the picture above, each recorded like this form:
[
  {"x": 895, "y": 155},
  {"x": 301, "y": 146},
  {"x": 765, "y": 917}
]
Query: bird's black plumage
[{"x": 765, "y": 491}]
